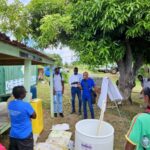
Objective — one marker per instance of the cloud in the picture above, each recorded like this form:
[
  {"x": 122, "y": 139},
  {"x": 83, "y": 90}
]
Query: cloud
[{"x": 67, "y": 55}]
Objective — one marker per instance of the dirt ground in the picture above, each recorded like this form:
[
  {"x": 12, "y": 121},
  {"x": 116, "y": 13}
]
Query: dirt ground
[{"x": 120, "y": 124}]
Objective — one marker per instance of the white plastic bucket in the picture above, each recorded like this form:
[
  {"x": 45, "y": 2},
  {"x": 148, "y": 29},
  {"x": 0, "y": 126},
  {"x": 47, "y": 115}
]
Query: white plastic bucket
[{"x": 86, "y": 139}]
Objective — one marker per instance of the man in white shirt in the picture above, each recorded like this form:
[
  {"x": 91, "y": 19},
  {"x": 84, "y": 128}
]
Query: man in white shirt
[
  {"x": 74, "y": 81},
  {"x": 58, "y": 92}
]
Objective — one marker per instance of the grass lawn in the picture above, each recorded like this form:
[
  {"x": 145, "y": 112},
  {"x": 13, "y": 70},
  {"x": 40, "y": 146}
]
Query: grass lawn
[{"x": 121, "y": 125}]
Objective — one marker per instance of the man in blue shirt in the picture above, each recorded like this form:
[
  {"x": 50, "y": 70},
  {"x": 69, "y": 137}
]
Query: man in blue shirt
[
  {"x": 20, "y": 113},
  {"x": 87, "y": 85}
]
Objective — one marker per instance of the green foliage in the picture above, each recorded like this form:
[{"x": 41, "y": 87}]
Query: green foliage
[
  {"x": 52, "y": 26},
  {"x": 14, "y": 19},
  {"x": 144, "y": 71},
  {"x": 66, "y": 65},
  {"x": 65, "y": 76},
  {"x": 44, "y": 7},
  {"x": 76, "y": 63},
  {"x": 43, "y": 14},
  {"x": 3, "y": 7},
  {"x": 96, "y": 29},
  {"x": 58, "y": 59},
  {"x": 100, "y": 31},
  {"x": 101, "y": 28}
]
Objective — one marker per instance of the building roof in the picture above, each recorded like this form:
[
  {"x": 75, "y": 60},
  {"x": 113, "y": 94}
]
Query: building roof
[{"x": 21, "y": 52}]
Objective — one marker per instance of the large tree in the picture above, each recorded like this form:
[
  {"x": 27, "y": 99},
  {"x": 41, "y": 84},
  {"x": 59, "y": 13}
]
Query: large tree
[
  {"x": 101, "y": 31},
  {"x": 113, "y": 31},
  {"x": 58, "y": 60},
  {"x": 48, "y": 19},
  {"x": 14, "y": 19},
  {"x": 108, "y": 31}
]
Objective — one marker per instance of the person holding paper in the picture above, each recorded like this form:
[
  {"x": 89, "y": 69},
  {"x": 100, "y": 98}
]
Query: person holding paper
[
  {"x": 87, "y": 84},
  {"x": 138, "y": 136},
  {"x": 74, "y": 80}
]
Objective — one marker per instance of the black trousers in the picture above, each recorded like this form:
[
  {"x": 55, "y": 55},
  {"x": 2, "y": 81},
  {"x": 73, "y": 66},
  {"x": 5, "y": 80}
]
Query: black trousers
[{"x": 25, "y": 144}]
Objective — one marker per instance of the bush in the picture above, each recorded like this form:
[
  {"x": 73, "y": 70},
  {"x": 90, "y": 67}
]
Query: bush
[
  {"x": 65, "y": 76},
  {"x": 144, "y": 71}
]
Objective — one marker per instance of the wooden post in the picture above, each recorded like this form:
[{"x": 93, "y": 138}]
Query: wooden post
[
  {"x": 101, "y": 117},
  {"x": 51, "y": 92},
  {"x": 27, "y": 78}
]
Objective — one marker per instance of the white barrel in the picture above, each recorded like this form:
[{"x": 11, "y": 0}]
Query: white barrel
[{"x": 86, "y": 139}]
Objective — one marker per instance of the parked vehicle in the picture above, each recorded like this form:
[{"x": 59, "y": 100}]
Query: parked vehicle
[
  {"x": 108, "y": 69},
  {"x": 11, "y": 76},
  {"x": 65, "y": 70}
]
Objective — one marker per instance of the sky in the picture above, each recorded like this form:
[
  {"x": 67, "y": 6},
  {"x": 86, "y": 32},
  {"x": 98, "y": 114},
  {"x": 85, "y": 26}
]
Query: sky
[
  {"x": 68, "y": 56},
  {"x": 23, "y": 1}
]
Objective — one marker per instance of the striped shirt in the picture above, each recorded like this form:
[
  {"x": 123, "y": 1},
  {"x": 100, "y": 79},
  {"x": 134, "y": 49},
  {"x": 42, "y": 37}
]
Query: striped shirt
[{"x": 139, "y": 132}]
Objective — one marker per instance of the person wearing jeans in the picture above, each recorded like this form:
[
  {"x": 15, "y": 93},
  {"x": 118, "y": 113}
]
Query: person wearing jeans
[
  {"x": 58, "y": 93},
  {"x": 74, "y": 80},
  {"x": 58, "y": 102},
  {"x": 87, "y": 84},
  {"x": 76, "y": 91},
  {"x": 87, "y": 99}
]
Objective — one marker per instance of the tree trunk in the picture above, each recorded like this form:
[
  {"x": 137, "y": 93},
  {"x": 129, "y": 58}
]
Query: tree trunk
[{"x": 128, "y": 71}]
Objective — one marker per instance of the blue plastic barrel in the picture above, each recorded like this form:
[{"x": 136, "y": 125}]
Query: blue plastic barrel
[{"x": 47, "y": 71}]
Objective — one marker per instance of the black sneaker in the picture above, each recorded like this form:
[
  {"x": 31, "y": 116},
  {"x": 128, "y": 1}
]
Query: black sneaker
[
  {"x": 61, "y": 115},
  {"x": 55, "y": 114}
]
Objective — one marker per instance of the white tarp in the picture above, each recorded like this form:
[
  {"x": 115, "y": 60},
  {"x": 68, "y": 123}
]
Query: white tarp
[
  {"x": 109, "y": 89},
  {"x": 47, "y": 146},
  {"x": 57, "y": 140},
  {"x": 61, "y": 127},
  {"x": 61, "y": 138}
]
